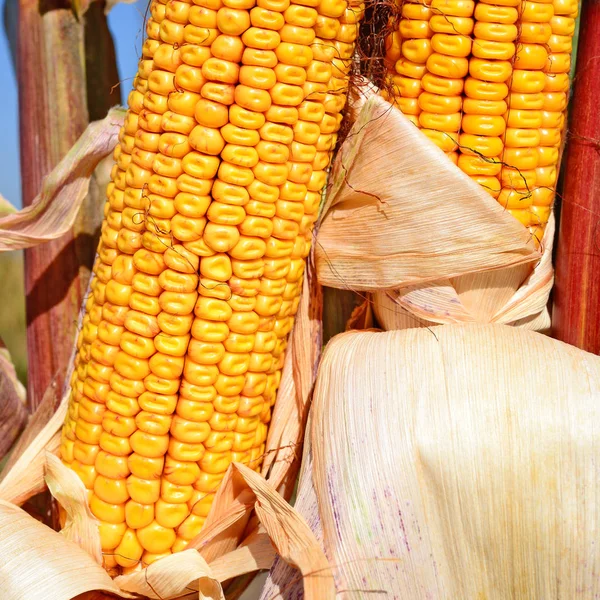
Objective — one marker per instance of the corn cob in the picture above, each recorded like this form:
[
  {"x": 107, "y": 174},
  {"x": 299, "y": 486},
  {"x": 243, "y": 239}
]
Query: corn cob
[
  {"x": 215, "y": 188},
  {"x": 507, "y": 114}
]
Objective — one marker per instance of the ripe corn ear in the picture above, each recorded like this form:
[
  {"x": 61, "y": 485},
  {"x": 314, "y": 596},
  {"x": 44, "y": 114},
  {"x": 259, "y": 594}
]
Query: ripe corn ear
[
  {"x": 488, "y": 82},
  {"x": 216, "y": 186}
]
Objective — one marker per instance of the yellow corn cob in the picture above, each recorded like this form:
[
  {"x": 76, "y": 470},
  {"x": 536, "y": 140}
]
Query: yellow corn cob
[
  {"x": 215, "y": 188},
  {"x": 498, "y": 76}
]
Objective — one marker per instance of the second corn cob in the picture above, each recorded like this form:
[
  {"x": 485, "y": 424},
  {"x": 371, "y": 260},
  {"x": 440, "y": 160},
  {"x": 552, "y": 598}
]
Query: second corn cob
[{"x": 492, "y": 83}]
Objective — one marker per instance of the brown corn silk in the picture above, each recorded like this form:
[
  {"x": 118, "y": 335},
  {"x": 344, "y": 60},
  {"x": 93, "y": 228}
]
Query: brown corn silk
[
  {"x": 489, "y": 85},
  {"x": 215, "y": 188}
]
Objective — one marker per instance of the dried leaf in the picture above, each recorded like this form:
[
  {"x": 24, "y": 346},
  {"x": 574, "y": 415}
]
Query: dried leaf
[
  {"x": 81, "y": 526},
  {"x": 13, "y": 412},
  {"x": 37, "y": 422},
  {"x": 500, "y": 296},
  {"x": 439, "y": 474},
  {"x": 24, "y": 477},
  {"x": 291, "y": 536},
  {"x": 110, "y": 4},
  {"x": 168, "y": 577},
  {"x": 35, "y": 561},
  {"x": 403, "y": 222},
  {"x": 254, "y": 554},
  {"x": 283, "y": 582},
  {"x": 53, "y": 212}
]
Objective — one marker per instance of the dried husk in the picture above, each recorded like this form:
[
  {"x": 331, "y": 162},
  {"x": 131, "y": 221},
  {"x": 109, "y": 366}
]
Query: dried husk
[
  {"x": 230, "y": 541},
  {"x": 54, "y": 210},
  {"x": 438, "y": 473},
  {"x": 13, "y": 411},
  {"x": 404, "y": 222}
]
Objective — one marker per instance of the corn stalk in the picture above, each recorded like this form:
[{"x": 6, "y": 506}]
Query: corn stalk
[
  {"x": 56, "y": 48},
  {"x": 576, "y": 306}
]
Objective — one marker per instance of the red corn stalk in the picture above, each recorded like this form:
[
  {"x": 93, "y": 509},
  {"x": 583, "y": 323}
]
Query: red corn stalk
[
  {"x": 53, "y": 110},
  {"x": 576, "y": 309}
]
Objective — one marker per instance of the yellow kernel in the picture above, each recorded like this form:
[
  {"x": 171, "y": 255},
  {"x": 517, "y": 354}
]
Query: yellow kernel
[
  {"x": 127, "y": 387},
  {"x": 259, "y": 58},
  {"x": 220, "y": 238},
  {"x": 482, "y": 145},
  {"x": 111, "y": 490},
  {"x": 218, "y": 462},
  {"x": 257, "y": 77},
  {"x": 156, "y": 539},
  {"x": 118, "y": 425},
  {"x": 111, "y": 534},
  {"x": 218, "y": 92},
  {"x": 184, "y": 451},
  {"x": 302, "y": 16},
  {"x": 138, "y": 515},
  {"x": 191, "y": 527},
  {"x": 217, "y": 69},
  {"x": 282, "y": 114},
  {"x": 108, "y": 513},
  {"x": 170, "y": 515}
]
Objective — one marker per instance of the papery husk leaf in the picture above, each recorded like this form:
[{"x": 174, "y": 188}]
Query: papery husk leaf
[
  {"x": 168, "y": 577},
  {"x": 110, "y": 4},
  {"x": 255, "y": 553},
  {"x": 399, "y": 213},
  {"x": 37, "y": 563},
  {"x": 13, "y": 411},
  {"x": 243, "y": 490},
  {"x": 283, "y": 581},
  {"x": 513, "y": 296},
  {"x": 181, "y": 574},
  {"x": 54, "y": 210},
  {"x": 439, "y": 474},
  {"x": 23, "y": 477},
  {"x": 67, "y": 488},
  {"x": 291, "y": 536},
  {"x": 81, "y": 6}
]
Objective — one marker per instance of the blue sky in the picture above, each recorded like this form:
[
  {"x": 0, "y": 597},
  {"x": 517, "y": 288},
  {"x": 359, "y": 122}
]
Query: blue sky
[{"x": 125, "y": 22}]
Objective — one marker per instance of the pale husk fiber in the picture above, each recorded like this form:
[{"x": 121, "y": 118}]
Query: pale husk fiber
[
  {"x": 441, "y": 472},
  {"x": 401, "y": 220}
]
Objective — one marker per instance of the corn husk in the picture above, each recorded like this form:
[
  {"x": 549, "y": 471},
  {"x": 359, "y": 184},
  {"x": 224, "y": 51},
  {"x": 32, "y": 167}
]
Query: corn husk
[
  {"x": 433, "y": 246},
  {"x": 13, "y": 412},
  {"x": 438, "y": 472},
  {"x": 55, "y": 209},
  {"x": 283, "y": 582}
]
